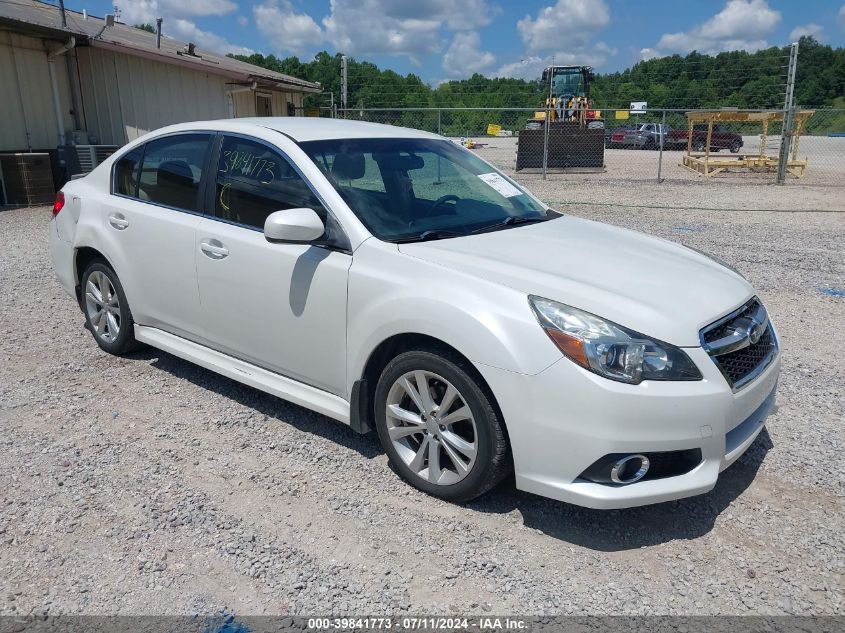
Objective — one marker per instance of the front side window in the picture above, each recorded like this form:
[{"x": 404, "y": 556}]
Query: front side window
[
  {"x": 253, "y": 181},
  {"x": 172, "y": 169},
  {"x": 414, "y": 188}
]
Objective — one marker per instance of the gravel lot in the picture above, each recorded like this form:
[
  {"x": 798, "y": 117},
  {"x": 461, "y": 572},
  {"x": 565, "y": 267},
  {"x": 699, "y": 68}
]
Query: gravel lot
[
  {"x": 148, "y": 485},
  {"x": 630, "y": 177}
]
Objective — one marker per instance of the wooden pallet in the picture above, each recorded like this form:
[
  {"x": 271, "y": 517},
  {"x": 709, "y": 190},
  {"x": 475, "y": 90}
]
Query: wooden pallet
[{"x": 710, "y": 165}]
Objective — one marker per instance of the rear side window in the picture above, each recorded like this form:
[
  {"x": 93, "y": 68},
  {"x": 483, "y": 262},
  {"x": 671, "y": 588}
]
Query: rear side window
[
  {"x": 126, "y": 172},
  {"x": 254, "y": 181},
  {"x": 171, "y": 170}
]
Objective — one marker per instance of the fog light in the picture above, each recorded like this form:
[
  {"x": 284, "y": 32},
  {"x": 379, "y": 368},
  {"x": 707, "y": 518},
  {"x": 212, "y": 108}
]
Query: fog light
[{"x": 629, "y": 469}]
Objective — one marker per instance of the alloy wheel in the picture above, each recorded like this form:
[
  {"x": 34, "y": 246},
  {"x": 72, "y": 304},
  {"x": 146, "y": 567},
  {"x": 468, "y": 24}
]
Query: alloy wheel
[
  {"x": 102, "y": 306},
  {"x": 431, "y": 427}
]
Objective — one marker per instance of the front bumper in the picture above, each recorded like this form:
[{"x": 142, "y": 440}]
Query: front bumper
[{"x": 565, "y": 418}]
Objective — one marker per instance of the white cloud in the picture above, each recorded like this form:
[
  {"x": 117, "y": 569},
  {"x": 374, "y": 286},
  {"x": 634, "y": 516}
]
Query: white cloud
[
  {"x": 570, "y": 23},
  {"x": 841, "y": 16},
  {"x": 812, "y": 30},
  {"x": 243, "y": 20},
  {"x": 531, "y": 67},
  {"x": 285, "y": 29},
  {"x": 400, "y": 27},
  {"x": 176, "y": 23},
  {"x": 465, "y": 57},
  {"x": 561, "y": 33},
  {"x": 146, "y": 11},
  {"x": 740, "y": 25},
  {"x": 187, "y": 31},
  {"x": 649, "y": 53}
]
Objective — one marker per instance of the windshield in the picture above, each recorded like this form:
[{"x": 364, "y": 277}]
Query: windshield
[
  {"x": 568, "y": 82},
  {"x": 409, "y": 189}
]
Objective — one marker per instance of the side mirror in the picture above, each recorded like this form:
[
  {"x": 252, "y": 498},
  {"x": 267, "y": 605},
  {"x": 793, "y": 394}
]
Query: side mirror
[{"x": 298, "y": 226}]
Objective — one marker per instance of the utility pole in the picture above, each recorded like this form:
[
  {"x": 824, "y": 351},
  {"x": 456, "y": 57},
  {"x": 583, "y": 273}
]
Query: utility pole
[
  {"x": 343, "y": 84},
  {"x": 788, "y": 115},
  {"x": 548, "y": 120}
]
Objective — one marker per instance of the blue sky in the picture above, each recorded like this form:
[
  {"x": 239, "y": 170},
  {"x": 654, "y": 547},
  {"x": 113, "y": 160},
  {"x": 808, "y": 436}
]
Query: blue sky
[{"x": 451, "y": 39}]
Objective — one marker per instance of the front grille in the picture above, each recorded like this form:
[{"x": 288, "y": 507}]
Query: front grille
[
  {"x": 719, "y": 331},
  {"x": 741, "y": 366}
]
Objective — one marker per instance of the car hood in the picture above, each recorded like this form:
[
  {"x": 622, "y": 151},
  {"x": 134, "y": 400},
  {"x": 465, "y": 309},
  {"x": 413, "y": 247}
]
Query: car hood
[{"x": 650, "y": 285}]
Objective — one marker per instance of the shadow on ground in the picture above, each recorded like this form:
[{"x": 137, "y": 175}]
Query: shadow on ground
[
  {"x": 602, "y": 530},
  {"x": 632, "y": 528},
  {"x": 280, "y": 410}
]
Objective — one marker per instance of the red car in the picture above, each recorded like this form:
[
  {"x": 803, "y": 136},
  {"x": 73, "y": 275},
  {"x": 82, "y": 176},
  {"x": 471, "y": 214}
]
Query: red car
[{"x": 719, "y": 139}]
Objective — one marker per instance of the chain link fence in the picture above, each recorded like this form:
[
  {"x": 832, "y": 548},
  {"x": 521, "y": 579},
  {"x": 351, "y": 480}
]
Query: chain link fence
[{"x": 659, "y": 145}]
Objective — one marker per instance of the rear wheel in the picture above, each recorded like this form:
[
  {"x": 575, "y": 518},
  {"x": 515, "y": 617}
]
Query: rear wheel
[
  {"x": 735, "y": 146},
  {"x": 439, "y": 427},
  {"x": 698, "y": 146},
  {"x": 107, "y": 314}
]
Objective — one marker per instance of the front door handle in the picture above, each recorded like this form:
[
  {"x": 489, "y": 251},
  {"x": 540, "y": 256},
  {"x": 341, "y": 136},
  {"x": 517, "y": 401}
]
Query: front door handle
[
  {"x": 214, "y": 249},
  {"x": 118, "y": 221}
]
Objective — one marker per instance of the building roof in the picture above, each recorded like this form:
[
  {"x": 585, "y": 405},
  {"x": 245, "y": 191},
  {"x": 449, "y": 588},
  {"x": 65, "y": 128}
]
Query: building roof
[{"x": 43, "y": 19}]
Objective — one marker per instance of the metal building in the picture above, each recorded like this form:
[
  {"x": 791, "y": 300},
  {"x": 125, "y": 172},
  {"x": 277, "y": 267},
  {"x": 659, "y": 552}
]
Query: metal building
[{"x": 71, "y": 82}]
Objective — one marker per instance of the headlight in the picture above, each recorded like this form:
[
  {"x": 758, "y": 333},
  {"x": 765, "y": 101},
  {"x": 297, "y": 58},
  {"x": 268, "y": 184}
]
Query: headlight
[
  {"x": 608, "y": 349},
  {"x": 718, "y": 260}
]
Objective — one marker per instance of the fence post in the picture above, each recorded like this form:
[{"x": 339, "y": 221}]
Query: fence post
[
  {"x": 788, "y": 116},
  {"x": 660, "y": 155},
  {"x": 439, "y": 129}
]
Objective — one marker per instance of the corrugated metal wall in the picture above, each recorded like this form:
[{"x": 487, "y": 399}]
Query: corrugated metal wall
[
  {"x": 27, "y": 115},
  {"x": 124, "y": 96},
  {"x": 119, "y": 96}
]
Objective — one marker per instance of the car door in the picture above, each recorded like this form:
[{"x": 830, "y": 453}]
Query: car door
[
  {"x": 151, "y": 218},
  {"x": 279, "y": 306}
]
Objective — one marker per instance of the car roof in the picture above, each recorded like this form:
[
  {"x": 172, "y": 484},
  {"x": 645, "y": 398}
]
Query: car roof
[{"x": 305, "y": 128}]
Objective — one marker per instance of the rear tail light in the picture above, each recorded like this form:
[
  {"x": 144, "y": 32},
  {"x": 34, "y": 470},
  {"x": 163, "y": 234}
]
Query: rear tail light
[{"x": 59, "y": 203}]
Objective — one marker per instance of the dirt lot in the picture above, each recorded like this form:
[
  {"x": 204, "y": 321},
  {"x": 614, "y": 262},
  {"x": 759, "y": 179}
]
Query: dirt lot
[{"x": 148, "y": 485}]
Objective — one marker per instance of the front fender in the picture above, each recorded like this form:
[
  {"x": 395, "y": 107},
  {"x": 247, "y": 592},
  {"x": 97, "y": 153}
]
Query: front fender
[{"x": 391, "y": 293}]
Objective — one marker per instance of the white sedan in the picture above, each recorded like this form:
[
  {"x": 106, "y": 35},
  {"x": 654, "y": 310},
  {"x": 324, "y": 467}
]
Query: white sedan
[{"x": 393, "y": 280}]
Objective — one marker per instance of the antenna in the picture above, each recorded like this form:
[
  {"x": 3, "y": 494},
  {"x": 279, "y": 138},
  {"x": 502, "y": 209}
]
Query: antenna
[{"x": 116, "y": 13}]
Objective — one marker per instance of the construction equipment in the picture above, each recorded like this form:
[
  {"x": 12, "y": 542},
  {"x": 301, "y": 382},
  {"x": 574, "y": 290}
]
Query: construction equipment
[{"x": 575, "y": 130}]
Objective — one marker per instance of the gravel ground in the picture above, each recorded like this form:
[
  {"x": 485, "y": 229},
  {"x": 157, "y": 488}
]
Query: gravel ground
[
  {"x": 630, "y": 177},
  {"x": 146, "y": 485}
]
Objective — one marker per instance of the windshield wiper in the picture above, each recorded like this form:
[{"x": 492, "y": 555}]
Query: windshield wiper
[
  {"x": 434, "y": 234},
  {"x": 511, "y": 220}
]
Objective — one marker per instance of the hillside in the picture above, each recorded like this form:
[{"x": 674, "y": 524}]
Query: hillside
[{"x": 738, "y": 78}]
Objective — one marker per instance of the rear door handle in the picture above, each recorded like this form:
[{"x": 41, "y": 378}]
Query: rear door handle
[
  {"x": 214, "y": 249},
  {"x": 118, "y": 221}
]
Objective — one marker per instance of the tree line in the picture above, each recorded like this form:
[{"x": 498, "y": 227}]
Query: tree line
[{"x": 696, "y": 80}]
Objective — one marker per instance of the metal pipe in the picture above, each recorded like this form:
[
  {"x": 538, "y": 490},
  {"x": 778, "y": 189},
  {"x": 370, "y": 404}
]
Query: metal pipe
[
  {"x": 548, "y": 120},
  {"x": 57, "y": 102},
  {"x": 788, "y": 116},
  {"x": 62, "y": 11},
  {"x": 660, "y": 156},
  {"x": 158, "y": 32},
  {"x": 231, "y": 99}
]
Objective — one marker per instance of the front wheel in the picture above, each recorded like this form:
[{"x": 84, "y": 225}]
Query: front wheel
[
  {"x": 698, "y": 146},
  {"x": 107, "y": 314},
  {"x": 735, "y": 147},
  {"x": 439, "y": 427}
]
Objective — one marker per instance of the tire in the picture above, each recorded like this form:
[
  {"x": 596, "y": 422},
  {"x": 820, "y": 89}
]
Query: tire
[
  {"x": 422, "y": 438},
  {"x": 112, "y": 307},
  {"x": 735, "y": 147},
  {"x": 698, "y": 146}
]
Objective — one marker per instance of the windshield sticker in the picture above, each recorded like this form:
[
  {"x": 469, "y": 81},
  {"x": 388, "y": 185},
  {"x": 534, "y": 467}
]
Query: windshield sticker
[{"x": 500, "y": 184}]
